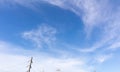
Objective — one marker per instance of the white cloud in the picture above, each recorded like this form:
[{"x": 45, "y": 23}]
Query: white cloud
[
  {"x": 18, "y": 63},
  {"x": 13, "y": 3},
  {"x": 86, "y": 50},
  {"x": 11, "y": 61},
  {"x": 103, "y": 58},
  {"x": 93, "y": 13},
  {"x": 110, "y": 34},
  {"x": 6, "y": 47},
  {"x": 43, "y": 35},
  {"x": 9, "y": 48},
  {"x": 71, "y": 65},
  {"x": 102, "y": 14},
  {"x": 114, "y": 46}
]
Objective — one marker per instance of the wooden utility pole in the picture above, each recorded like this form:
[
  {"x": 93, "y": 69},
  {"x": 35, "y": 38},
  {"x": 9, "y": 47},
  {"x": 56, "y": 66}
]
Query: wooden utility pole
[{"x": 30, "y": 64}]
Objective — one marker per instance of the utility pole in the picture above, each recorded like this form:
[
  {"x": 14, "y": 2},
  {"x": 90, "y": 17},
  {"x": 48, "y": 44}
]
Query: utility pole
[{"x": 30, "y": 64}]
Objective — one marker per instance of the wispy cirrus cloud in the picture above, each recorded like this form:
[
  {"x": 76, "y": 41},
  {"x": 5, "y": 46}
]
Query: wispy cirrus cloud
[
  {"x": 111, "y": 33},
  {"x": 102, "y": 14},
  {"x": 44, "y": 35},
  {"x": 94, "y": 14},
  {"x": 103, "y": 58}
]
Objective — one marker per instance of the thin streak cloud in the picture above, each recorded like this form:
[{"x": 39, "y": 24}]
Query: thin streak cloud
[{"x": 43, "y": 35}]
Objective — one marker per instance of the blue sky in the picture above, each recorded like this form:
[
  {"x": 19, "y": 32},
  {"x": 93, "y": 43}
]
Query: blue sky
[{"x": 71, "y": 35}]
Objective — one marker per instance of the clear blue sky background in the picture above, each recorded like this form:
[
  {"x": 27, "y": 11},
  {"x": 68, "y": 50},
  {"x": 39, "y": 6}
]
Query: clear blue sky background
[{"x": 63, "y": 29}]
